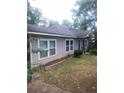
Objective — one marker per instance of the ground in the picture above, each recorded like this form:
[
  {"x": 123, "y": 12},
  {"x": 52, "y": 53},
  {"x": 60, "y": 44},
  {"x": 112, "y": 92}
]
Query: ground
[
  {"x": 39, "y": 86},
  {"x": 75, "y": 75}
]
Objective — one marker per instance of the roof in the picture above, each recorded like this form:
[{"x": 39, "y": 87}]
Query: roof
[{"x": 57, "y": 30}]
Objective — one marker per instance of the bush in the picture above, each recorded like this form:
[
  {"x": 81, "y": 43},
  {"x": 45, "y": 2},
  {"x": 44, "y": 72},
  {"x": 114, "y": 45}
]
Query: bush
[
  {"x": 93, "y": 52},
  {"x": 35, "y": 69},
  {"x": 77, "y": 53},
  {"x": 29, "y": 76}
]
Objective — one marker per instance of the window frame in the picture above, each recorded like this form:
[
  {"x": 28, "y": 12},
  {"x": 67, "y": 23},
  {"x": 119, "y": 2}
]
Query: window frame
[
  {"x": 47, "y": 49},
  {"x": 48, "y": 41},
  {"x": 53, "y": 47},
  {"x": 69, "y": 44}
]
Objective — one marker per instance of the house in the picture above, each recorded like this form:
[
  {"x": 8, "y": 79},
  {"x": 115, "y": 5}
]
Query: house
[{"x": 56, "y": 42}]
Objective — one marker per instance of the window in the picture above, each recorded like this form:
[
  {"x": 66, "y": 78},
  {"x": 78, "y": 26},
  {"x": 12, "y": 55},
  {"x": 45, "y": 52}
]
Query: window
[
  {"x": 52, "y": 47},
  {"x": 69, "y": 45},
  {"x": 43, "y": 48},
  {"x": 47, "y": 48}
]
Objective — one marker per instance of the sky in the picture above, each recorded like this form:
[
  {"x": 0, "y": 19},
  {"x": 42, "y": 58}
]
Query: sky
[{"x": 55, "y": 9}]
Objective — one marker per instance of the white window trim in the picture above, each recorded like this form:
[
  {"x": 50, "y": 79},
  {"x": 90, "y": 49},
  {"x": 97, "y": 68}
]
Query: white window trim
[
  {"x": 48, "y": 40},
  {"x": 52, "y": 48},
  {"x": 66, "y": 46},
  {"x": 69, "y": 45}
]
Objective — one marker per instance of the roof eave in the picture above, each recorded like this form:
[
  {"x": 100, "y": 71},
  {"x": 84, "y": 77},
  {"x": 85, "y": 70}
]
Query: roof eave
[{"x": 47, "y": 34}]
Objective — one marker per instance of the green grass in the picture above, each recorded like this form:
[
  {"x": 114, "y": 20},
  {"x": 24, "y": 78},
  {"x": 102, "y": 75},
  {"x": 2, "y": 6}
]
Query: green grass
[{"x": 77, "y": 75}]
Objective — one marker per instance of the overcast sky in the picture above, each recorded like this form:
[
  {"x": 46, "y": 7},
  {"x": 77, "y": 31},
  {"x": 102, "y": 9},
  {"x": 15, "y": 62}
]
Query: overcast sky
[{"x": 55, "y": 9}]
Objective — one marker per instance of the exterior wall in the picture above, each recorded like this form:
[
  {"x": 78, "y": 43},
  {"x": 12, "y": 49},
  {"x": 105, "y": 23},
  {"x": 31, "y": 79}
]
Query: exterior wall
[
  {"x": 76, "y": 45},
  {"x": 61, "y": 49},
  {"x": 81, "y": 44}
]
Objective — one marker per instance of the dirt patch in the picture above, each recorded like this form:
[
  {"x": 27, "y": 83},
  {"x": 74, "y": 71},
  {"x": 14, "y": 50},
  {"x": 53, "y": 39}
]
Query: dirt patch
[{"x": 38, "y": 86}]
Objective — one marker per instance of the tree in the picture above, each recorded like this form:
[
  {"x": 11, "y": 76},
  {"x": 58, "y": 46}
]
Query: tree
[
  {"x": 52, "y": 22},
  {"x": 85, "y": 18},
  {"x": 67, "y": 23},
  {"x": 76, "y": 23},
  {"x": 86, "y": 14},
  {"x": 34, "y": 15},
  {"x": 93, "y": 41}
]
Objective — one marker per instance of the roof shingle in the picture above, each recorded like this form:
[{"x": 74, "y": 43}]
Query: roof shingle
[{"x": 58, "y": 30}]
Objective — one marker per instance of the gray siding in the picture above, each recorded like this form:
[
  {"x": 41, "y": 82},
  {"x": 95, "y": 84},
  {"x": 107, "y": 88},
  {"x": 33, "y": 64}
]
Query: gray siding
[
  {"x": 76, "y": 43},
  {"x": 61, "y": 50},
  {"x": 81, "y": 44}
]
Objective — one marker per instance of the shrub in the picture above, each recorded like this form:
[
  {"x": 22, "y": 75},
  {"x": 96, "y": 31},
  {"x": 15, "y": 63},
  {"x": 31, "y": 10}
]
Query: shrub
[
  {"x": 38, "y": 69},
  {"x": 35, "y": 69},
  {"x": 28, "y": 65},
  {"x": 77, "y": 53},
  {"x": 29, "y": 76},
  {"x": 93, "y": 52}
]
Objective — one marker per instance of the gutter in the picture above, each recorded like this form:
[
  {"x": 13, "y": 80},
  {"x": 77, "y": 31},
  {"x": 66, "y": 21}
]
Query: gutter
[{"x": 47, "y": 34}]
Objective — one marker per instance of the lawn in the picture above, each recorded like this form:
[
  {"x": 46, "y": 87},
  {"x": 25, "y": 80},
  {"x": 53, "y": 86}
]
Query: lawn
[{"x": 77, "y": 75}]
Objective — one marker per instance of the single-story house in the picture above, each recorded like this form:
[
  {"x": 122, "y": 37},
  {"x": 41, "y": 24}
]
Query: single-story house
[{"x": 57, "y": 42}]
